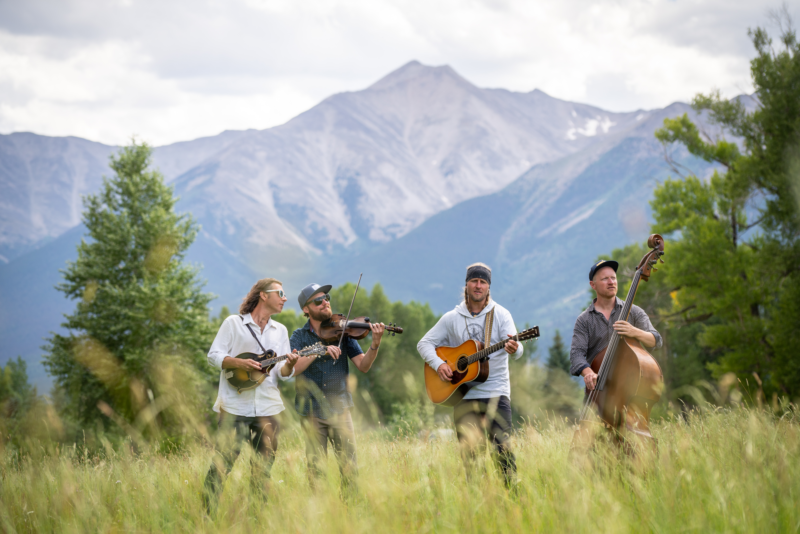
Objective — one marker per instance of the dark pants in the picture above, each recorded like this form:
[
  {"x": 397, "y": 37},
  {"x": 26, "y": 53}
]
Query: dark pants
[
  {"x": 338, "y": 428},
  {"x": 234, "y": 431},
  {"x": 479, "y": 419}
]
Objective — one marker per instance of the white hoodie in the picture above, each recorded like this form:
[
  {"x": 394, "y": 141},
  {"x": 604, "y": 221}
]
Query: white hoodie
[{"x": 457, "y": 326}]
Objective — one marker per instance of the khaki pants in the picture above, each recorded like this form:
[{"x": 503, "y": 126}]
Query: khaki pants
[{"x": 338, "y": 429}]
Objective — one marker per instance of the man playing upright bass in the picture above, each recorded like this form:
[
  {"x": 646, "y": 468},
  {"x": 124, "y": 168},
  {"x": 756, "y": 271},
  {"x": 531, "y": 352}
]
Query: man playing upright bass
[
  {"x": 486, "y": 408},
  {"x": 594, "y": 326}
]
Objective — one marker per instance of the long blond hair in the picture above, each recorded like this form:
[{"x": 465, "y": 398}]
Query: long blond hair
[{"x": 250, "y": 302}]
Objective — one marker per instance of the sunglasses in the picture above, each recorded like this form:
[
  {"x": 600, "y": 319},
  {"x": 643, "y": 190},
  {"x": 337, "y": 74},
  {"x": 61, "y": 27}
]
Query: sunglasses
[
  {"x": 280, "y": 292},
  {"x": 319, "y": 300}
]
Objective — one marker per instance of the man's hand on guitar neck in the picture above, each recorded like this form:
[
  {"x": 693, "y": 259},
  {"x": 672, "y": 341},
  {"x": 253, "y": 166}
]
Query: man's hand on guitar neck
[
  {"x": 287, "y": 368},
  {"x": 445, "y": 373},
  {"x": 511, "y": 345}
]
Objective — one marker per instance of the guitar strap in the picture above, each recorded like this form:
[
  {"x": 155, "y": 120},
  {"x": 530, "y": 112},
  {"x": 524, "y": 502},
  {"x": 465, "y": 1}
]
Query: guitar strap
[
  {"x": 487, "y": 328},
  {"x": 263, "y": 350}
]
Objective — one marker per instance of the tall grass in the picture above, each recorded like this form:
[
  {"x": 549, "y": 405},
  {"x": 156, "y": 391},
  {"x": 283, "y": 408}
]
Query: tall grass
[{"x": 725, "y": 470}]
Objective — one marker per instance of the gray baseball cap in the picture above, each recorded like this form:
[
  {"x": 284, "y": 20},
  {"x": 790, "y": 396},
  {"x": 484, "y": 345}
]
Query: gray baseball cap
[{"x": 308, "y": 291}]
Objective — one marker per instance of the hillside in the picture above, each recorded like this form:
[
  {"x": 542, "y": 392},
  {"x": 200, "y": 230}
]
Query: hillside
[{"x": 407, "y": 181}]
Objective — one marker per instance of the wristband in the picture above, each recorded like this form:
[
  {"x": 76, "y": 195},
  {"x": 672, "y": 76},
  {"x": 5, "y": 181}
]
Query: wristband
[{"x": 374, "y": 348}]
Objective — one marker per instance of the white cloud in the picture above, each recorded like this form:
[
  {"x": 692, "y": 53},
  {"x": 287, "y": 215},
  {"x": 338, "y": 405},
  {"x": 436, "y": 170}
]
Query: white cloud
[{"x": 169, "y": 71}]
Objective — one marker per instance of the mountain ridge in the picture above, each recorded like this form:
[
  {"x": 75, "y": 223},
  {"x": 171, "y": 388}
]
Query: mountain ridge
[{"x": 388, "y": 180}]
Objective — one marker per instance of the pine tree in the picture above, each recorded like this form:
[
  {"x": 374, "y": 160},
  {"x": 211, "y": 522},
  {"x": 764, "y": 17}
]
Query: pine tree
[
  {"x": 140, "y": 330},
  {"x": 558, "y": 357},
  {"x": 736, "y": 250}
]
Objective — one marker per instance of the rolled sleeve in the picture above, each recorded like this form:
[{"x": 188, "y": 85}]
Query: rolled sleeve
[
  {"x": 222, "y": 344},
  {"x": 642, "y": 322},
  {"x": 579, "y": 348},
  {"x": 278, "y": 370},
  {"x": 285, "y": 348}
]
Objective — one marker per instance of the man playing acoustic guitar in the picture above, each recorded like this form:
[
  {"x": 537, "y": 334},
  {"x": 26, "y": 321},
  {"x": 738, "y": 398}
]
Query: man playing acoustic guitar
[
  {"x": 252, "y": 414},
  {"x": 594, "y": 326},
  {"x": 486, "y": 408}
]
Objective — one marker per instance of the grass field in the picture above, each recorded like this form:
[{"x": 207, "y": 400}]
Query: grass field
[{"x": 731, "y": 470}]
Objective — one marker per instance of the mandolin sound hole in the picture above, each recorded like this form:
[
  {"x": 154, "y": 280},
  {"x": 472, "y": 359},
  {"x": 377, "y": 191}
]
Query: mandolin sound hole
[{"x": 462, "y": 364}]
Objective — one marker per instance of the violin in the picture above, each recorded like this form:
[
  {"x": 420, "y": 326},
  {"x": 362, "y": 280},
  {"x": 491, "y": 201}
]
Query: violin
[
  {"x": 629, "y": 379},
  {"x": 357, "y": 328}
]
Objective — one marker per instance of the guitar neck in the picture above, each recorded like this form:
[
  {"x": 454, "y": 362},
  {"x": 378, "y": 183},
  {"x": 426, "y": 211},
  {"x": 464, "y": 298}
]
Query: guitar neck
[
  {"x": 303, "y": 354},
  {"x": 481, "y": 354},
  {"x": 267, "y": 363}
]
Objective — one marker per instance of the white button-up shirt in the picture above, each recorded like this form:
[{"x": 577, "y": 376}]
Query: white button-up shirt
[{"x": 233, "y": 339}]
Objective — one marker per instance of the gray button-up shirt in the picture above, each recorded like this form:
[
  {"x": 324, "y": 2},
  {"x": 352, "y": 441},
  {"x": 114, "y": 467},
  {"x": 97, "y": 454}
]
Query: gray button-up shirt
[{"x": 593, "y": 331}]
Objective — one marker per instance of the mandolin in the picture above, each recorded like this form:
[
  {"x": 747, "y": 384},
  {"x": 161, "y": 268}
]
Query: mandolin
[
  {"x": 243, "y": 379},
  {"x": 470, "y": 363}
]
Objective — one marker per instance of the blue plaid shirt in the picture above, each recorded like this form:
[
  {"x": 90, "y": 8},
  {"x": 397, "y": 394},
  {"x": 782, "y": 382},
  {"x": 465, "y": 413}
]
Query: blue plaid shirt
[{"x": 322, "y": 387}]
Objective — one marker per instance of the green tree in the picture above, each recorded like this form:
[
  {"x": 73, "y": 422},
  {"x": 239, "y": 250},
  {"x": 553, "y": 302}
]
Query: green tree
[
  {"x": 17, "y": 397},
  {"x": 140, "y": 330},
  {"x": 735, "y": 252},
  {"x": 558, "y": 357}
]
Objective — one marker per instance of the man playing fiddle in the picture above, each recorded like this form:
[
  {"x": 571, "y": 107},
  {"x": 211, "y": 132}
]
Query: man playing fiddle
[
  {"x": 323, "y": 400},
  {"x": 486, "y": 408},
  {"x": 594, "y": 326}
]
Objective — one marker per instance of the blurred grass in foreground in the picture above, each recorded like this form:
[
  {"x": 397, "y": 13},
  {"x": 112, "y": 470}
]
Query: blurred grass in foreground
[{"x": 722, "y": 470}]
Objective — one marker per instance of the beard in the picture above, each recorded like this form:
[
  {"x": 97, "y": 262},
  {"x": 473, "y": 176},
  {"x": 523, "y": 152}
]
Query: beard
[
  {"x": 483, "y": 298},
  {"x": 320, "y": 316},
  {"x": 607, "y": 293}
]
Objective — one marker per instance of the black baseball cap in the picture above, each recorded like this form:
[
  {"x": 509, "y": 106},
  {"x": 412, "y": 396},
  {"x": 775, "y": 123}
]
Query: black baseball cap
[
  {"x": 600, "y": 264},
  {"x": 309, "y": 291}
]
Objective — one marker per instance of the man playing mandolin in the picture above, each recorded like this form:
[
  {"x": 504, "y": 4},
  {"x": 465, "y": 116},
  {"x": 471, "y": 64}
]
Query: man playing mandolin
[
  {"x": 251, "y": 414},
  {"x": 323, "y": 399},
  {"x": 486, "y": 408},
  {"x": 594, "y": 326}
]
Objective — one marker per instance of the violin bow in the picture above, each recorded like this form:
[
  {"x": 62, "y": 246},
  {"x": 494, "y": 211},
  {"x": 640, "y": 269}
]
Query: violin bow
[{"x": 347, "y": 319}]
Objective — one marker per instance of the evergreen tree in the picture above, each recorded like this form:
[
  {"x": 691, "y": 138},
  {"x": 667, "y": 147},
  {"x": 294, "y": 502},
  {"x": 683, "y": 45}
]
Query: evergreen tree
[
  {"x": 558, "y": 357},
  {"x": 139, "y": 333},
  {"x": 736, "y": 257}
]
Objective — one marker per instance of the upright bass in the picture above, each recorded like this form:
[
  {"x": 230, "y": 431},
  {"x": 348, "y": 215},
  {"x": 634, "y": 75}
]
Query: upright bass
[{"x": 629, "y": 379}]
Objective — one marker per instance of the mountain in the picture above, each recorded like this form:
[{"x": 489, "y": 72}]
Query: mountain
[
  {"x": 43, "y": 180},
  {"x": 408, "y": 181},
  {"x": 382, "y": 160}
]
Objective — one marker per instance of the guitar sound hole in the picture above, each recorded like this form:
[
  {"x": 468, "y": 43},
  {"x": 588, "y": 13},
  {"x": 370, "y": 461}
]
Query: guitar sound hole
[{"x": 462, "y": 364}]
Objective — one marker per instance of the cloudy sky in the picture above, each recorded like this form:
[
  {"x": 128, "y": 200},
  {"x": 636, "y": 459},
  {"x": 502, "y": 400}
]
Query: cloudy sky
[{"x": 168, "y": 71}]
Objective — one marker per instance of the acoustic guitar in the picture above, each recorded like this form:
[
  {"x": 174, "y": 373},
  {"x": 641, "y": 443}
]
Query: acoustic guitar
[
  {"x": 469, "y": 363},
  {"x": 244, "y": 379}
]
